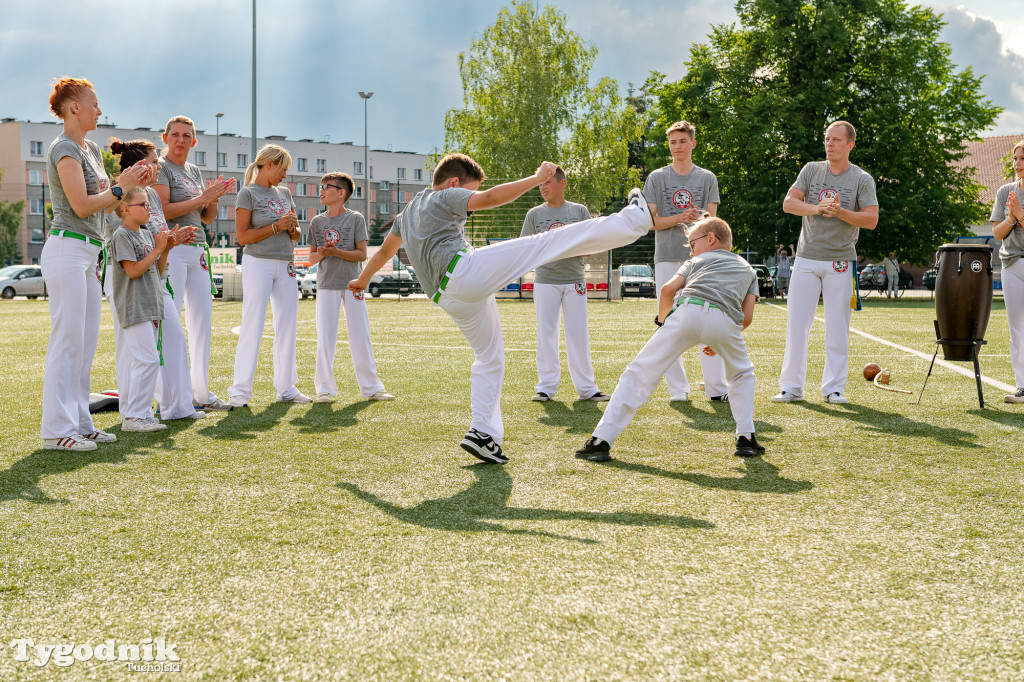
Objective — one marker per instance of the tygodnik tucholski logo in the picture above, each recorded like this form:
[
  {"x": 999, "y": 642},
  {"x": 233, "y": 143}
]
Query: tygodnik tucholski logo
[{"x": 148, "y": 655}]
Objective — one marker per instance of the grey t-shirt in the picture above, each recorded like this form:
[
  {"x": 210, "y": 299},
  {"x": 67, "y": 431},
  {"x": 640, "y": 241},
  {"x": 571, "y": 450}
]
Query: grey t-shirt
[
  {"x": 431, "y": 228},
  {"x": 347, "y": 230},
  {"x": 1012, "y": 247},
  {"x": 184, "y": 183},
  {"x": 136, "y": 300},
  {"x": 267, "y": 204},
  {"x": 824, "y": 238},
  {"x": 674, "y": 193},
  {"x": 543, "y": 218},
  {"x": 720, "y": 277},
  {"x": 157, "y": 223},
  {"x": 96, "y": 181}
]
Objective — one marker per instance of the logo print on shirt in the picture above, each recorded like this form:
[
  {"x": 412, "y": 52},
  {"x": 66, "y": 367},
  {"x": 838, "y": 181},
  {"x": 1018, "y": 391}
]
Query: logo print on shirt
[
  {"x": 275, "y": 206},
  {"x": 358, "y": 295},
  {"x": 190, "y": 186},
  {"x": 332, "y": 235},
  {"x": 291, "y": 269},
  {"x": 827, "y": 195},
  {"x": 554, "y": 226},
  {"x": 840, "y": 266},
  {"x": 581, "y": 289},
  {"x": 682, "y": 198},
  {"x": 202, "y": 261}
]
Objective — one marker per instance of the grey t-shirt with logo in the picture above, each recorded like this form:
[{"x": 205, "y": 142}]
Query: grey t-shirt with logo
[
  {"x": 347, "y": 230},
  {"x": 720, "y": 277},
  {"x": 1012, "y": 247},
  {"x": 674, "y": 193},
  {"x": 832, "y": 239},
  {"x": 96, "y": 181},
  {"x": 183, "y": 183},
  {"x": 432, "y": 231},
  {"x": 156, "y": 223},
  {"x": 136, "y": 300},
  {"x": 266, "y": 205},
  {"x": 542, "y": 218}
]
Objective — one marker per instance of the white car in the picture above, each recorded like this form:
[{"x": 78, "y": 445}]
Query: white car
[
  {"x": 22, "y": 280},
  {"x": 307, "y": 284}
]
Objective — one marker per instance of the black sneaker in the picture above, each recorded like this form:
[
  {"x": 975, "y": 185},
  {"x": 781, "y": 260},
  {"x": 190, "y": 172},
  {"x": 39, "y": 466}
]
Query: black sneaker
[
  {"x": 724, "y": 398},
  {"x": 541, "y": 397},
  {"x": 483, "y": 447},
  {"x": 599, "y": 397},
  {"x": 636, "y": 198},
  {"x": 748, "y": 447},
  {"x": 595, "y": 451}
]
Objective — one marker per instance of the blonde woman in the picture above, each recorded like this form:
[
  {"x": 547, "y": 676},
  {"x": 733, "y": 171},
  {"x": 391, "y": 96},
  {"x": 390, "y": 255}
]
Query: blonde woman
[
  {"x": 80, "y": 193},
  {"x": 1008, "y": 225},
  {"x": 185, "y": 201},
  {"x": 265, "y": 224}
]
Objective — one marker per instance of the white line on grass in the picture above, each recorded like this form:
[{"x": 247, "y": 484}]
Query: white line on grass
[{"x": 924, "y": 356}]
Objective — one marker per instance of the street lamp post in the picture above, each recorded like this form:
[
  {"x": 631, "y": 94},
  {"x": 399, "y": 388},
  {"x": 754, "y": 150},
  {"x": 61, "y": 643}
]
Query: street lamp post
[
  {"x": 366, "y": 155},
  {"x": 216, "y": 165}
]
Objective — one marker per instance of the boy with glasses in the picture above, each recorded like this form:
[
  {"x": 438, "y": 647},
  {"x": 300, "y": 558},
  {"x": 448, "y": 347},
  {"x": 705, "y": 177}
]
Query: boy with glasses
[{"x": 338, "y": 245}]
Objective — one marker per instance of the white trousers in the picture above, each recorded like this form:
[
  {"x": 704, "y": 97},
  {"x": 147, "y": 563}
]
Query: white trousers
[
  {"x": 550, "y": 300},
  {"x": 1013, "y": 296},
  {"x": 69, "y": 271},
  {"x": 121, "y": 362},
  {"x": 135, "y": 397},
  {"x": 469, "y": 298},
  {"x": 687, "y": 326},
  {"x": 266, "y": 280},
  {"x": 191, "y": 284},
  {"x": 329, "y": 303},
  {"x": 174, "y": 383},
  {"x": 711, "y": 367},
  {"x": 893, "y": 286},
  {"x": 833, "y": 281}
]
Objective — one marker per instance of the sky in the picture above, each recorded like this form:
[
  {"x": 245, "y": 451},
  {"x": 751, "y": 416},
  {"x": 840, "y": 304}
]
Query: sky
[{"x": 155, "y": 59}]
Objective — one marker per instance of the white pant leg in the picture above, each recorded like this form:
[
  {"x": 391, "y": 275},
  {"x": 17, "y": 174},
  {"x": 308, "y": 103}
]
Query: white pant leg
[
  {"x": 357, "y": 323},
  {"x": 257, "y": 281},
  {"x": 675, "y": 376},
  {"x": 804, "y": 290},
  {"x": 836, "y": 291},
  {"x": 726, "y": 337},
  {"x": 284, "y": 302},
  {"x": 713, "y": 369},
  {"x": 174, "y": 384},
  {"x": 893, "y": 286},
  {"x": 120, "y": 354},
  {"x": 328, "y": 311},
  {"x": 137, "y": 400},
  {"x": 480, "y": 323},
  {"x": 682, "y": 330},
  {"x": 1013, "y": 296},
  {"x": 69, "y": 271},
  {"x": 199, "y": 321},
  {"x": 577, "y": 341},
  {"x": 547, "y": 301}
]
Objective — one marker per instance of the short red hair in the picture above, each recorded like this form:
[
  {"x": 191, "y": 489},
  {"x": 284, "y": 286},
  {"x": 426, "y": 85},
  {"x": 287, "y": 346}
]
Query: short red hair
[{"x": 66, "y": 89}]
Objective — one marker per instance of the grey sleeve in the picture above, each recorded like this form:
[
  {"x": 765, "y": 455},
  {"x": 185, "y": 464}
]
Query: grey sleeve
[
  {"x": 753, "y": 288},
  {"x": 62, "y": 149},
  {"x": 685, "y": 269},
  {"x": 712, "y": 191},
  {"x": 528, "y": 226},
  {"x": 803, "y": 181},
  {"x": 650, "y": 187},
  {"x": 121, "y": 247},
  {"x": 359, "y": 233},
  {"x": 163, "y": 177},
  {"x": 287, "y": 196},
  {"x": 244, "y": 199},
  {"x": 314, "y": 234},
  {"x": 396, "y": 228},
  {"x": 584, "y": 214},
  {"x": 455, "y": 200},
  {"x": 999, "y": 207},
  {"x": 866, "y": 192}
]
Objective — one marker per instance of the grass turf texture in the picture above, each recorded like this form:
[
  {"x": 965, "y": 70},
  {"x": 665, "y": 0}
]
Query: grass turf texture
[{"x": 879, "y": 539}]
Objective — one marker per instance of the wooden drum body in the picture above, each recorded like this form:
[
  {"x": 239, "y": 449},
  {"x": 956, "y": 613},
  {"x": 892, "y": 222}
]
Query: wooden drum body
[{"x": 963, "y": 297}]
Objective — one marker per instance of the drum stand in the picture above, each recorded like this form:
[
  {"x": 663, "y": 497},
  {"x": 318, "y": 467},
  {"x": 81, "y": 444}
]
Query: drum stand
[{"x": 975, "y": 345}]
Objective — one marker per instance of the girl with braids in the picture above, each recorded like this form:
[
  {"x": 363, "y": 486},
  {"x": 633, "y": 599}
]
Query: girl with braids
[{"x": 80, "y": 194}]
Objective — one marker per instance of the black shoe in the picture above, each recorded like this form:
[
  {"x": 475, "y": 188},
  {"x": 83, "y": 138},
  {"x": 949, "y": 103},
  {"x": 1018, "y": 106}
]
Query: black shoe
[
  {"x": 483, "y": 447},
  {"x": 599, "y": 397},
  {"x": 594, "y": 451},
  {"x": 636, "y": 198},
  {"x": 724, "y": 398},
  {"x": 748, "y": 447}
]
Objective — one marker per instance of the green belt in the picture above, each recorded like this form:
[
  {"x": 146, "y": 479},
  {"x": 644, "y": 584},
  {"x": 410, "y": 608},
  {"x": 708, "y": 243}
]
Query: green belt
[
  {"x": 103, "y": 272},
  {"x": 80, "y": 237},
  {"x": 695, "y": 301},
  {"x": 160, "y": 340},
  {"x": 444, "y": 280},
  {"x": 209, "y": 269}
]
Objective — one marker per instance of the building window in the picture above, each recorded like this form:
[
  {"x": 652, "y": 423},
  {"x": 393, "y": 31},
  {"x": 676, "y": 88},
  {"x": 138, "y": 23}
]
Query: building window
[
  {"x": 321, "y": 165},
  {"x": 300, "y": 213},
  {"x": 37, "y": 236},
  {"x": 36, "y": 206},
  {"x": 222, "y": 159},
  {"x": 383, "y": 209},
  {"x": 384, "y": 184},
  {"x": 357, "y": 168},
  {"x": 301, "y": 165},
  {"x": 35, "y": 177},
  {"x": 222, "y": 212},
  {"x": 417, "y": 173},
  {"x": 300, "y": 189},
  {"x": 35, "y": 148},
  {"x": 200, "y": 158},
  {"x": 359, "y": 192},
  {"x": 242, "y": 160},
  {"x": 401, "y": 174}
]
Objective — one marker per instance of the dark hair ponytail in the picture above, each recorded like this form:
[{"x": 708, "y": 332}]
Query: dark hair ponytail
[{"x": 131, "y": 152}]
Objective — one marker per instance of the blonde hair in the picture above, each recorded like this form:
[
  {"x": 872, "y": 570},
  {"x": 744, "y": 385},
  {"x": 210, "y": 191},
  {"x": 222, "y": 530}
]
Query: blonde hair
[
  {"x": 851, "y": 132},
  {"x": 65, "y": 90},
  {"x": 682, "y": 127},
  {"x": 270, "y": 153},
  {"x": 717, "y": 226},
  {"x": 122, "y": 206},
  {"x": 1019, "y": 145},
  {"x": 180, "y": 119}
]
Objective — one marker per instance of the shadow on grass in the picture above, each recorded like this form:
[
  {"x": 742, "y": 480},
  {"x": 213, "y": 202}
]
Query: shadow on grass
[
  {"x": 21, "y": 480},
  {"x": 893, "y": 423},
  {"x": 242, "y": 423},
  {"x": 476, "y": 508},
  {"x": 1007, "y": 418},
  {"x": 719, "y": 420},
  {"x": 580, "y": 417},
  {"x": 758, "y": 476},
  {"x": 323, "y": 418}
]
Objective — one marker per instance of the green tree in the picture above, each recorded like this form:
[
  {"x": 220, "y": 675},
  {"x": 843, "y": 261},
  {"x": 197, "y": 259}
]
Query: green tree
[
  {"x": 111, "y": 165},
  {"x": 762, "y": 94},
  {"x": 527, "y": 97},
  {"x": 11, "y": 216}
]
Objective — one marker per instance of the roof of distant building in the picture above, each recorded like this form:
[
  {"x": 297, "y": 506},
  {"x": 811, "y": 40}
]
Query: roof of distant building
[{"x": 986, "y": 157}]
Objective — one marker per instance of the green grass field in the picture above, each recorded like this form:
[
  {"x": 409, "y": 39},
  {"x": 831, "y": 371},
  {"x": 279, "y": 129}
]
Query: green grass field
[{"x": 876, "y": 540}]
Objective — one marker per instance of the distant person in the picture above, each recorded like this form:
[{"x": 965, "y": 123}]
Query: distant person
[
  {"x": 80, "y": 193},
  {"x": 836, "y": 200},
  {"x": 684, "y": 191},
  {"x": 186, "y": 202},
  {"x": 462, "y": 279},
  {"x": 892, "y": 275},
  {"x": 337, "y": 241},
  {"x": 784, "y": 269},
  {"x": 560, "y": 290},
  {"x": 1008, "y": 225},
  {"x": 716, "y": 291}
]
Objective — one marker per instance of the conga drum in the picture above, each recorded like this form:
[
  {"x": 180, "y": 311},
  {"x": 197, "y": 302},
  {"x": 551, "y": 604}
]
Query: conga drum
[{"x": 963, "y": 297}]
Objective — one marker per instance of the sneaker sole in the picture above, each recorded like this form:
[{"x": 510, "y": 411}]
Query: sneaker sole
[
  {"x": 483, "y": 456},
  {"x": 594, "y": 456},
  {"x": 748, "y": 452}
]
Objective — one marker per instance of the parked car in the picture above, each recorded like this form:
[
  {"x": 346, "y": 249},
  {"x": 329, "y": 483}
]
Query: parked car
[
  {"x": 22, "y": 280},
  {"x": 399, "y": 282},
  {"x": 766, "y": 287},
  {"x": 636, "y": 280},
  {"x": 929, "y": 278},
  {"x": 307, "y": 283},
  {"x": 873, "y": 276},
  {"x": 218, "y": 282}
]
